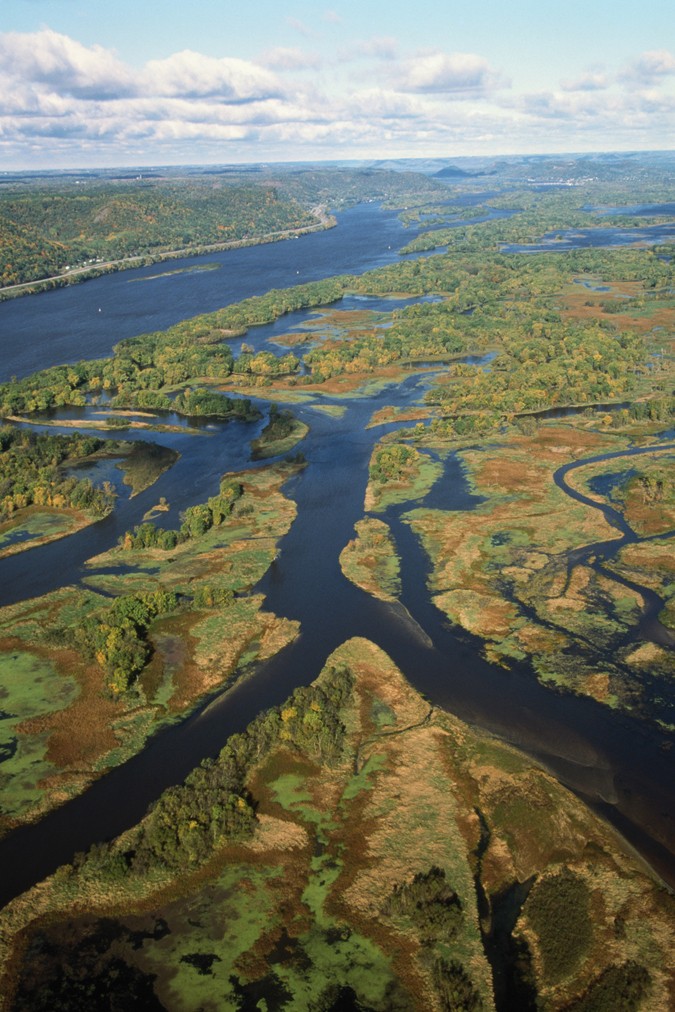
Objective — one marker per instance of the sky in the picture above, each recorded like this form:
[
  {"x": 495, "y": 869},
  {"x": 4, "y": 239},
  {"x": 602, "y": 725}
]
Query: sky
[{"x": 85, "y": 83}]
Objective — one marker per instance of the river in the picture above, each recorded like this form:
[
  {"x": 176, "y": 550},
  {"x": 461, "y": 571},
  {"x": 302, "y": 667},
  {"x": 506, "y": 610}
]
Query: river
[
  {"x": 617, "y": 763},
  {"x": 85, "y": 320}
]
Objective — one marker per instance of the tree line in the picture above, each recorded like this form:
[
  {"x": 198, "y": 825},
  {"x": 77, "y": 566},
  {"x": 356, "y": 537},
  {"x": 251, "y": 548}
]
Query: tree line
[{"x": 32, "y": 473}]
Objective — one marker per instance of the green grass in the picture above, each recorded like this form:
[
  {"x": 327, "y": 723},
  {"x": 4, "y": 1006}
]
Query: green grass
[
  {"x": 413, "y": 487},
  {"x": 332, "y": 410},
  {"x": 265, "y": 447},
  {"x": 290, "y": 791},
  {"x": 370, "y": 560},
  {"x": 38, "y": 525},
  {"x": 29, "y": 687},
  {"x": 361, "y": 781}
]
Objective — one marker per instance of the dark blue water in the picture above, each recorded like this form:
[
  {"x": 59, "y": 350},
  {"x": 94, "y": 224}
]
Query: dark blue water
[
  {"x": 588, "y": 238},
  {"x": 592, "y": 286},
  {"x": 84, "y": 321},
  {"x": 638, "y": 210},
  {"x": 608, "y": 485},
  {"x": 601, "y": 753},
  {"x": 605, "y": 755}
]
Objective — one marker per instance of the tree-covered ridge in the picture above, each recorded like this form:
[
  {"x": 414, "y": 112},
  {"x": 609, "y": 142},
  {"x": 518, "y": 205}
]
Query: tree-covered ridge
[
  {"x": 48, "y": 227},
  {"x": 44, "y": 233},
  {"x": 341, "y": 187},
  {"x": 31, "y": 473}
]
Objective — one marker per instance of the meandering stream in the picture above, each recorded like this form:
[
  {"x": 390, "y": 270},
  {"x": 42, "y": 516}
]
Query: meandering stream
[{"x": 596, "y": 555}]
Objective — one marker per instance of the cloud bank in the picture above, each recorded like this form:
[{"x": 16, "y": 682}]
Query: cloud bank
[{"x": 62, "y": 102}]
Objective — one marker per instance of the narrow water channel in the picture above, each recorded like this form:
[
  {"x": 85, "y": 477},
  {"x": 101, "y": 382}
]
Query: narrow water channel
[{"x": 611, "y": 760}]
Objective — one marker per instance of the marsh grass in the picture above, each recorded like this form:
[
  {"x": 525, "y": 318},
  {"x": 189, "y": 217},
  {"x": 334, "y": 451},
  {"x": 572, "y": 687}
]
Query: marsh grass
[
  {"x": 370, "y": 560},
  {"x": 506, "y": 577},
  {"x": 37, "y": 525},
  {"x": 303, "y": 911}
]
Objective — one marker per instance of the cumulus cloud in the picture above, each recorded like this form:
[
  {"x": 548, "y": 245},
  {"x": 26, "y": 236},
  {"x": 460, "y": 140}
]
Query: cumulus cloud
[
  {"x": 651, "y": 65},
  {"x": 382, "y": 104},
  {"x": 56, "y": 92},
  {"x": 56, "y": 61},
  {"x": 564, "y": 106},
  {"x": 589, "y": 81},
  {"x": 447, "y": 73},
  {"x": 193, "y": 75}
]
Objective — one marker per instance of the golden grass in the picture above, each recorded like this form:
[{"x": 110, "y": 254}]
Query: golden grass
[{"x": 370, "y": 560}]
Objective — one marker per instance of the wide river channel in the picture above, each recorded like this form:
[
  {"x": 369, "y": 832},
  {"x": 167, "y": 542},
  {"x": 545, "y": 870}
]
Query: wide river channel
[{"x": 623, "y": 767}]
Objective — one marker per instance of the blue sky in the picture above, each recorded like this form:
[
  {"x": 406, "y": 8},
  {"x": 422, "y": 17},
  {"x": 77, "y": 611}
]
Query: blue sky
[{"x": 86, "y": 83}]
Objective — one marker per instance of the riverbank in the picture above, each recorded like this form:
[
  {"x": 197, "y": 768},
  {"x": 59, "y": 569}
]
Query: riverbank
[{"x": 76, "y": 275}]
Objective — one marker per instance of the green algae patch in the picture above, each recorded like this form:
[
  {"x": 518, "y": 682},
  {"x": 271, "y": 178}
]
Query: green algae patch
[
  {"x": 370, "y": 560},
  {"x": 30, "y": 686},
  {"x": 208, "y": 639},
  {"x": 38, "y": 525}
]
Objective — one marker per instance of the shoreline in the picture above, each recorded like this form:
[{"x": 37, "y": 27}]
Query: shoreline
[{"x": 80, "y": 274}]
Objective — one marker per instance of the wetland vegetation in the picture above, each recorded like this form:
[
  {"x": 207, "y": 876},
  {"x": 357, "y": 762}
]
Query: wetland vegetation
[
  {"x": 358, "y": 845},
  {"x": 331, "y": 853}
]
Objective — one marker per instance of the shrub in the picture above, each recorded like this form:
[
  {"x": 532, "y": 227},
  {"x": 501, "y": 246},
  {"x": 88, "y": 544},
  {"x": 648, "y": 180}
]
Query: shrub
[
  {"x": 558, "y": 911},
  {"x": 430, "y": 903},
  {"x": 617, "y": 987}
]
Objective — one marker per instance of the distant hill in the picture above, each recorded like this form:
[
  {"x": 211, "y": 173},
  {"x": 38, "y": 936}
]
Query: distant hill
[{"x": 454, "y": 172}]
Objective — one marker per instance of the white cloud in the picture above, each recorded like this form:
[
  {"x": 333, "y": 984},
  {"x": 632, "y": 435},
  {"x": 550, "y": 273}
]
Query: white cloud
[
  {"x": 653, "y": 64},
  {"x": 57, "y": 61},
  {"x": 300, "y": 27},
  {"x": 383, "y": 47},
  {"x": 289, "y": 58},
  {"x": 589, "y": 81},
  {"x": 59, "y": 97},
  {"x": 380, "y": 104},
  {"x": 191, "y": 74},
  {"x": 445, "y": 73}
]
